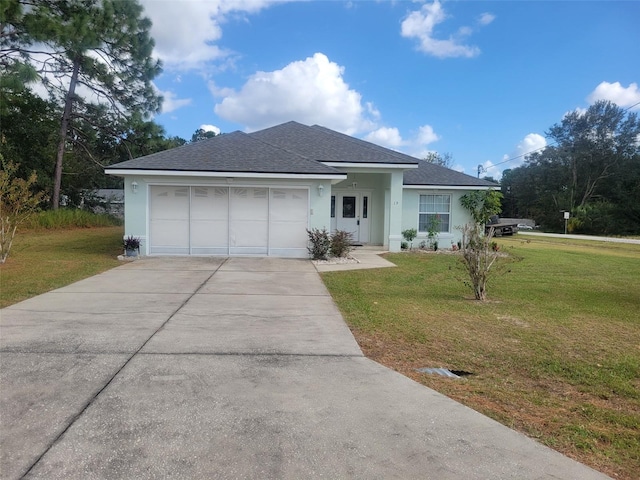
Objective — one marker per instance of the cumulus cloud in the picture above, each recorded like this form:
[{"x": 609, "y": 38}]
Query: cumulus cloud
[
  {"x": 533, "y": 142},
  {"x": 426, "y": 135},
  {"x": 415, "y": 145},
  {"x": 386, "y": 137},
  {"x": 185, "y": 32},
  {"x": 310, "y": 91},
  {"x": 420, "y": 24},
  {"x": 210, "y": 128},
  {"x": 171, "y": 102},
  {"x": 616, "y": 93}
]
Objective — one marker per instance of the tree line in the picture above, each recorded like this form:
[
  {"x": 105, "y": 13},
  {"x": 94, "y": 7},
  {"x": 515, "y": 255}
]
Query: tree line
[
  {"x": 591, "y": 169},
  {"x": 76, "y": 92}
]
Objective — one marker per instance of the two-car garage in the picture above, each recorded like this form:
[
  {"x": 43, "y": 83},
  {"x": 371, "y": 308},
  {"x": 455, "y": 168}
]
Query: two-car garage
[{"x": 228, "y": 220}]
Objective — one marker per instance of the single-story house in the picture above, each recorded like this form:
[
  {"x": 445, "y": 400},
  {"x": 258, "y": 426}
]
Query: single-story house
[{"x": 258, "y": 193}]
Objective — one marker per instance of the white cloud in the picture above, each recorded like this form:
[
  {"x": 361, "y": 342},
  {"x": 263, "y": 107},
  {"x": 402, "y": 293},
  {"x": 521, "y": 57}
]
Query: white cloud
[
  {"x": 219, "y": 92},
  {"x": 416, "y": 145},
  {"x": 210, "y": 128},
  {"x": 386, "y": 137},
  {"x": 533, "y": 142},
  {"x": 426, "y": 135},
  {"x": 185, "y": 32},
  {"x": 171, "y": 102},
  {"x": 308, "y": 91},
  {"x": 486, "y": 18},
  {"x": 616, "y": 93},
  {"x": 579, "y": 110},
  {"x": 490, "y": 170},
  {"x": 420, "y": 24}
]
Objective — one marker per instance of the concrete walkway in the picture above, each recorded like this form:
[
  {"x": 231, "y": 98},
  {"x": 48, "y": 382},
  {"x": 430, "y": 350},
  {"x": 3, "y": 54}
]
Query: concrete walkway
[
  {"x": 363, "y": 258},
  {"x": 227, "y": 368}
]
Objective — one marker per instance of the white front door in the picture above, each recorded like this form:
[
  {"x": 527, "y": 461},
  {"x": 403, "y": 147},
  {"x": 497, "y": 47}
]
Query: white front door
[{"x": 352, "y": 211}]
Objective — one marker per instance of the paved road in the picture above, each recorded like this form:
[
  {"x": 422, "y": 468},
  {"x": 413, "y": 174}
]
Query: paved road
[
  {"x": 227, "y": 368},
  {"x": 581, "y": 237}
]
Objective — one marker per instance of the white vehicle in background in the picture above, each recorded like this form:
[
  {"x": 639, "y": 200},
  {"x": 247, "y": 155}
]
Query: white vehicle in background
[{"x": 524, "y": 226}]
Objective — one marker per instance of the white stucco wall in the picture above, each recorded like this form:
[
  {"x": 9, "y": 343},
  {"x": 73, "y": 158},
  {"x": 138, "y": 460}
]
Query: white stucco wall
[{"x": 410, "y": 213}]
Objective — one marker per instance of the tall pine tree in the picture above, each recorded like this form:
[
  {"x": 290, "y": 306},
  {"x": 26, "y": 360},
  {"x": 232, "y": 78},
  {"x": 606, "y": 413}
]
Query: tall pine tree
[{"x": 95, "y": 59}]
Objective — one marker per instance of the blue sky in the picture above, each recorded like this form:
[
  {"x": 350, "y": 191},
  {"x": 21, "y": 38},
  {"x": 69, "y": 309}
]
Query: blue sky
[{"x": 480, "y": 80}]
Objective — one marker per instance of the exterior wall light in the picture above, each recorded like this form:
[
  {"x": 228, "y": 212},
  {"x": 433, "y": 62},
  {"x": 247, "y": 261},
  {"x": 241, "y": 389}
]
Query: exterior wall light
[
  {"x": 134, "y": 186},
  {"x": 320, "y": 189}
]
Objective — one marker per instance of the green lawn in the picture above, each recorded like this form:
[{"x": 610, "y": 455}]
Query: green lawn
[
  {"x": 47, "y": 259},
  {"x": 554, "y": 352}
]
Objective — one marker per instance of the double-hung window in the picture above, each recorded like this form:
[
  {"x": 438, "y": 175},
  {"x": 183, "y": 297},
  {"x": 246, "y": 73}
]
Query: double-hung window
[{"x": 435, "y": 211}]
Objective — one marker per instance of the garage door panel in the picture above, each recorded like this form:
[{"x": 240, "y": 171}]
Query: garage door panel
[
  {"x": 288, "y": 222},
  {"x": 169, "y": 220},
  {"x": 209, "y": 220},
  {"x": 248, "y": 221}
]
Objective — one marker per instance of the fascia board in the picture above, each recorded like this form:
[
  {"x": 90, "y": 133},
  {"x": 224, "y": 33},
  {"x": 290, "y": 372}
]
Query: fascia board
[
  {"x": 447, "y": 187},
  {"x": 400, "y": 166},
  {"x": 187, "y": 173}
]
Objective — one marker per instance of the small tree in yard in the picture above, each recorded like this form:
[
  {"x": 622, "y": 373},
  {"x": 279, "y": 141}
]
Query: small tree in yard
[
  {"x": 477, "y": 255},
  {"x": 17, "y": 203}
]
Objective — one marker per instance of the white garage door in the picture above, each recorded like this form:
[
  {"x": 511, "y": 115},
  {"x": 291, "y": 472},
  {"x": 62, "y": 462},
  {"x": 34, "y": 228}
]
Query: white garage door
[{"x": 228, "y": 221}]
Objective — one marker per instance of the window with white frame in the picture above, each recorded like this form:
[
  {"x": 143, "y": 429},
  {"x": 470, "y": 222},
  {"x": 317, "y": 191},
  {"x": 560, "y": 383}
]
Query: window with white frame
[{"x": 434, "y": 210}]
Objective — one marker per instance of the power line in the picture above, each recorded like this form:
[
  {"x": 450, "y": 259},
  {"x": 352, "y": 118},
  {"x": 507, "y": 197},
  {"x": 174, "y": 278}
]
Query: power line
[
  {"x": 634, "y": 105},
  {"x": 482, "y": 169}
]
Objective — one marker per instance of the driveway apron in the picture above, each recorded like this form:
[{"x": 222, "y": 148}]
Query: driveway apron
[{"x": 227, "y": 368}]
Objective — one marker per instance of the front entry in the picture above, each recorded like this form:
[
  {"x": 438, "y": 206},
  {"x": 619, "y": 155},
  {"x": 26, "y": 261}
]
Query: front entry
[{"x": 351, "y": 212}]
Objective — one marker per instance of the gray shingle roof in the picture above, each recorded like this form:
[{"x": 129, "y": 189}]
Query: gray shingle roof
[
  {"x": 324, "y": 145},
  {"x": 292, "y": 148},
  {"x": 431, "y": 174},
  {"x": 233, "y": 152}
]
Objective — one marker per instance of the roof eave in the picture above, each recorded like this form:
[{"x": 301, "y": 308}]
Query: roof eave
[
  {"x": 448, "y": 187},
  {"x": 121, "y": 172},
  {"x": 401, "y": 166}
]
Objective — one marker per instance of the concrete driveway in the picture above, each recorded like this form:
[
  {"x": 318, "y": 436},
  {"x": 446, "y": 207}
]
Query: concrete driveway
[{"x": 227, "y": 368}]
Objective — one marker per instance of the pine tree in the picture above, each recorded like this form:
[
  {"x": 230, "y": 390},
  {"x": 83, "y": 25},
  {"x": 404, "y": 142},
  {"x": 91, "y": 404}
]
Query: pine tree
[{"x": 93, "y": 56}]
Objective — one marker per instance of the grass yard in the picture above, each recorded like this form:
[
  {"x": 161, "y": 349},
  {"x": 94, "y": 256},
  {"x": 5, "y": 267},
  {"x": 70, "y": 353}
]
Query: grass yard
[
  {"x": 553, "y": 353},
  {"x": 47, "y": 259}
]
